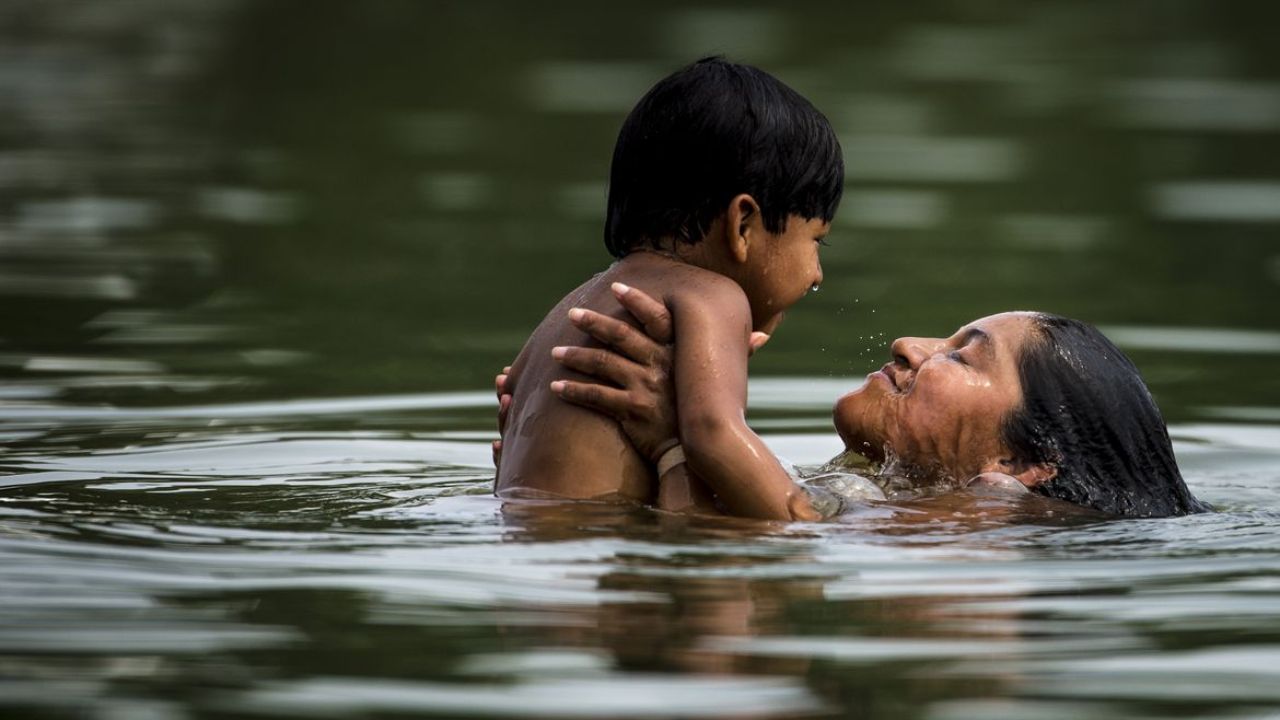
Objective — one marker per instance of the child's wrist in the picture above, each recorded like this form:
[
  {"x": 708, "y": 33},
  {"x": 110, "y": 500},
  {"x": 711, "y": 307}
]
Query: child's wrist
[
  {"x": 661, "y": 449},
  {"x": 672, "y": 457}
]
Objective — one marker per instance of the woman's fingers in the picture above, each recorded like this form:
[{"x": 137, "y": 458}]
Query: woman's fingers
[
  {"x": 497, "y": 454},
  {"x": 501, "y": 388},
  {"x": 500, "y": 382},
  {"x": 610, "y": 401},
  {"x": 616, "y": 334},
  {"x": 599, "y": 364},
  {"x": 652, "y": 314},
  {"x": 504, "y": 409}
]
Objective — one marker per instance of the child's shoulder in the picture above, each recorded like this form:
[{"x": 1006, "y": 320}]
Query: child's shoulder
[
  {"x": 683, "y": 287},
  {"x": 694, "y": 282},
  {"x": 692, "y": 286}
]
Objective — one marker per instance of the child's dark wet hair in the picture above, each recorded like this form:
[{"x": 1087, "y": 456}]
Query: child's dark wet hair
[{"x": 711, "y": 131}]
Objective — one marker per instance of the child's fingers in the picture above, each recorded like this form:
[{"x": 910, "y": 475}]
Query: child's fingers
[
  {"x": 616, "y": 334},
  {"x": 610, "y": 401},
  {"x": 599, "y": 364},
  {"x": 771, "y": 325},
  {"x": 497, "y": 454},
  {"x": 758, "y": 340},
  {"x": 652, "y": 314}
]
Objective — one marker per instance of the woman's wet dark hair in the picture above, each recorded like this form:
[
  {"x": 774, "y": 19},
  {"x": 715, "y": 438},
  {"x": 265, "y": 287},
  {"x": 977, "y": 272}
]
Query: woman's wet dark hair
[
  {"x": 707, "y": 133},
  {"x": 1086, "y": 411}
]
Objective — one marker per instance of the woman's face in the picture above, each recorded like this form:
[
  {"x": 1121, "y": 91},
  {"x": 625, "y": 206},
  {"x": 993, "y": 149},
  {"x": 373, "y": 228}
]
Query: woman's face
[{"x": 938, "y": 406}]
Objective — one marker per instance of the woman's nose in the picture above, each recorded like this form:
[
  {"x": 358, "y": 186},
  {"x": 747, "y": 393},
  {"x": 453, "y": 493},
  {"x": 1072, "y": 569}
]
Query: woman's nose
[{"x": 912, "y": 351}]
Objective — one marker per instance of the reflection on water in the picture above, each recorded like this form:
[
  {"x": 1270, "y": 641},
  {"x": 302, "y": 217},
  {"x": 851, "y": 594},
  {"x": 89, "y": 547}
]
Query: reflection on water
[
  {"x": 257, "y": 267},
  {"x": 266, "y": 565}
]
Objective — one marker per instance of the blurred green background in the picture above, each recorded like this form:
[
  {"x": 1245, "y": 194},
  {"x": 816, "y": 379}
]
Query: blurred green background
[{"x": 213, "y": 200}]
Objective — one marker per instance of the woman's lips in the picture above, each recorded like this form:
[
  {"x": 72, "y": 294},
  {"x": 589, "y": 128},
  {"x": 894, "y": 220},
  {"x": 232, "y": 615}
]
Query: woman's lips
[
  {"x": 892, "y": 373},
  {"x": 886, "y": 374}
]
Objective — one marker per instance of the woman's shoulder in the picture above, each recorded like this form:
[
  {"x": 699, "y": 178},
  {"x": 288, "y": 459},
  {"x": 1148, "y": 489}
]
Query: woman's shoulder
[{"x": 832, "y": 492}]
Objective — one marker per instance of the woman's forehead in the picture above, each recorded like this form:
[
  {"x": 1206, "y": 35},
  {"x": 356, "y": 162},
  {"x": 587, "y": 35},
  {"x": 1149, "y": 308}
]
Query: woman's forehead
[
  {"x": 1005, "y": 322},
  {"x": 1007, "y": 329}
]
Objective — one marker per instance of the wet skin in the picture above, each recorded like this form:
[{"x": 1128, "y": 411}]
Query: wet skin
[
  {"x": 738, "y": 278},
  {"x": 938, "y": 406}
]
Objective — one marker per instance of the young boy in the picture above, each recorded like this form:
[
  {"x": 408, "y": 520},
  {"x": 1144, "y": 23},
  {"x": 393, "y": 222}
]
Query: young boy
[{"x": 723, "y": 184}]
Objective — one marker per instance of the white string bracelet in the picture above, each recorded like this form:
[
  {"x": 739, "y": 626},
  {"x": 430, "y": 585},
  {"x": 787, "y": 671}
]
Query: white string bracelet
[{"x": 670, "y": 459}]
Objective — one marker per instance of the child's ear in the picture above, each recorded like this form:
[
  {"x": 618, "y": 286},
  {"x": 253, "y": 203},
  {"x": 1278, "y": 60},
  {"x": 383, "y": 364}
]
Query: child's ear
[{"x": 743, "y": 226}]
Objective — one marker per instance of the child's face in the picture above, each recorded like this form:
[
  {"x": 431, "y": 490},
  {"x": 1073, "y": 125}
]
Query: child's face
[{"x": 786, "y": 269}]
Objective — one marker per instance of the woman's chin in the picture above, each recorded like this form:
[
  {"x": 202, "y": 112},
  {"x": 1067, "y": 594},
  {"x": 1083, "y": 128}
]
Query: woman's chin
[
  {"x": 853, "y": 416},
  {"x": 858, "y": 441}
]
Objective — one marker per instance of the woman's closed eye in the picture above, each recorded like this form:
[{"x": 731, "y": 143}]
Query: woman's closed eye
[{"x": 955, "y": 355}]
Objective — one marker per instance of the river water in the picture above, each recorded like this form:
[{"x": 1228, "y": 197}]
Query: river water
[{"x": 260, "y": 261}]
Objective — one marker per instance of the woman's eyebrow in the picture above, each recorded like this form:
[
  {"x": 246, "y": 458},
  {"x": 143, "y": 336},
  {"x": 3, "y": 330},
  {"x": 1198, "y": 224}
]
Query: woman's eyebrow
[{"x": 979, "y": 337}]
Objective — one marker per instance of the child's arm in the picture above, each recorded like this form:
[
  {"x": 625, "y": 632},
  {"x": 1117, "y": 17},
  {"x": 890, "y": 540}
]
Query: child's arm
[
  {"x": 712, "y": 332},
  {"x": 679, "y": 491}
]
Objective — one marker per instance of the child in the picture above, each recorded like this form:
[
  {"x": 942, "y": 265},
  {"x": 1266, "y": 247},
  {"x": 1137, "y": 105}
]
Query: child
[{"x": 723, "y": 184}]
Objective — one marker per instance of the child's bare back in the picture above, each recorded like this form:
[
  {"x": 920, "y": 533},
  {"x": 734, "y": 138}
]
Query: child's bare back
[{"x": 550, "y": 446}]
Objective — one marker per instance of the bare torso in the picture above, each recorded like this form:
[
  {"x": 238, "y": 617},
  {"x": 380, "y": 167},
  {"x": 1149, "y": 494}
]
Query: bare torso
[{"x": 551, "y": 446}]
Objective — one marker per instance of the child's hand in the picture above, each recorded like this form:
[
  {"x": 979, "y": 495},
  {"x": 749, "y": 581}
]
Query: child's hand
[
  {"x": 761, "y": 336},
  {"x": 758, "y": 339}
]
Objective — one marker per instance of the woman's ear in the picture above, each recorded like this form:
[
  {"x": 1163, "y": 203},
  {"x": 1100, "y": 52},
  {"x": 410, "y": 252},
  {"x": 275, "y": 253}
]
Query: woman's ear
[
  {"x": 1029, "y": 474},
  {"x": 743, "y": 226}
]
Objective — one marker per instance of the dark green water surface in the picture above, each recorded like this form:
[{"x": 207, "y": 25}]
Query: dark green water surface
[{"x": 259, "y": 262}]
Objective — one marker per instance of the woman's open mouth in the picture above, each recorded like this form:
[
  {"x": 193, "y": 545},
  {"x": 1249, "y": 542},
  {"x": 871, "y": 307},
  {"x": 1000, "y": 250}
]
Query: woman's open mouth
[{"x": 890, "y": 373}]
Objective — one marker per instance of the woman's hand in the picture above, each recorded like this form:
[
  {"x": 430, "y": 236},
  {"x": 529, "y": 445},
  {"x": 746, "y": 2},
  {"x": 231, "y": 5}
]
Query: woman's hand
[
  {"x": 504, "y": 409},
  {"x": 632, "y": 374},
  {"x": 638, "y": 363}
]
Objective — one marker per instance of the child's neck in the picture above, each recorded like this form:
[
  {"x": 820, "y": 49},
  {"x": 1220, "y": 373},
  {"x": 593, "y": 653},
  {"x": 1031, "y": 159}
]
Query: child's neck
[{"x": 700, "y": 255}]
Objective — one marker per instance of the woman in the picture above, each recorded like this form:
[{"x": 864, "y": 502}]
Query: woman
[{"x": 1017, "y": 401}]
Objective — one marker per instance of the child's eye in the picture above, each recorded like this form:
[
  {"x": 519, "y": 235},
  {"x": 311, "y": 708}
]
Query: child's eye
[{"x": 823, "y": 241}]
